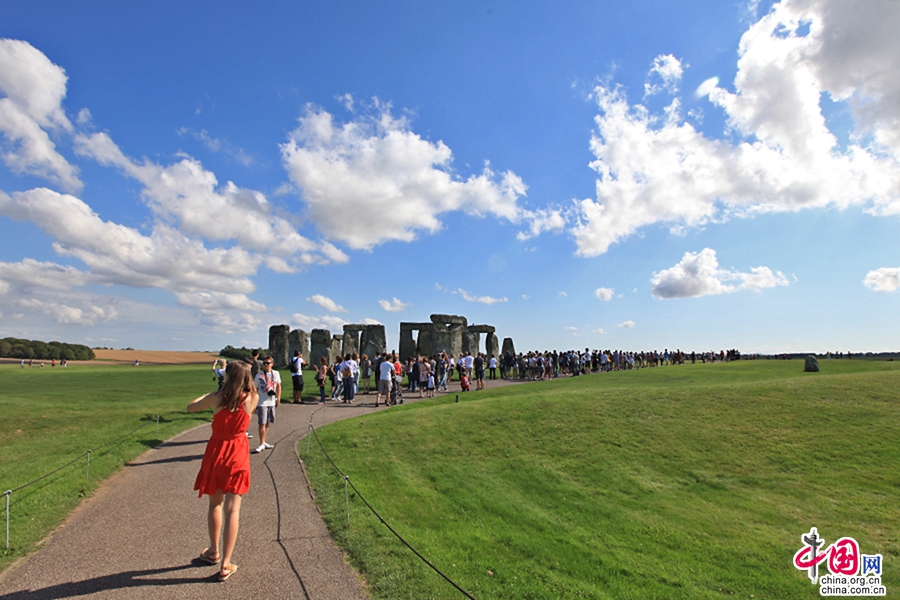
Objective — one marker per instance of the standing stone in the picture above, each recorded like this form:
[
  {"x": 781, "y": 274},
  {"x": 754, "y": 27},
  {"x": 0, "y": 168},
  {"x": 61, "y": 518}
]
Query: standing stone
[
  {"x": 447, "y": 333},
  {"x": 320, "y": 345},
  {"x": 299, "y": 340},
  {"x": 336, "y": 343},
  {"x": 441, "y": 339},
  {"x": 456, "y": 336},
  {"x": 278, "y": 344},
  {"x": 470, "y": 342},
  {"x": 492, "y": 345},
  {"x": 350, "y": 339},
  {"x": 373, "y": 341},
  {"x": 508, "y": 347},
  {"x": 425, "y": 343},
  {"x": 812, "y": 364}
]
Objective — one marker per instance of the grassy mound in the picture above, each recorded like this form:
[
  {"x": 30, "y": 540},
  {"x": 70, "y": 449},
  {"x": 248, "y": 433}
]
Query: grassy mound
[{"x": 675, "y": 482}]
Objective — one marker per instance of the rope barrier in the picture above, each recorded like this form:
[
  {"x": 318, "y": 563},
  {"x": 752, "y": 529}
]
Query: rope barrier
[
  {"x": 380, "y": 518},
  {"x": 87, "y": 474}
]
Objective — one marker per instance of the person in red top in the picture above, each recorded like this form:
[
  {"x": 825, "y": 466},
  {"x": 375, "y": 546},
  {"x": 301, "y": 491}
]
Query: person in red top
[{"x": 225, "y": 470}]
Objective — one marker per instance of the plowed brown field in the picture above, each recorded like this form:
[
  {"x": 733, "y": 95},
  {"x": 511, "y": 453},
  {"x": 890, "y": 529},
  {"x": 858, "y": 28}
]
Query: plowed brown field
[{"x": 160, "y": 357}]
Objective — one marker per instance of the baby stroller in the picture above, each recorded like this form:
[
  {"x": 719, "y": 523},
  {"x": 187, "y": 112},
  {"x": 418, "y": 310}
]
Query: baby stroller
[{"x": 396, "y": 390}]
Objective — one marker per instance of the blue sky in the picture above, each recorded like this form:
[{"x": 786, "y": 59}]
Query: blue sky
[{"x": 634, "y": 175}]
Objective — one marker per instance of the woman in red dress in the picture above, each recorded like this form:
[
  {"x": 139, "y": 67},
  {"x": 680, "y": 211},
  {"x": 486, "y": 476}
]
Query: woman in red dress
[{"x": 225, "y": 471}]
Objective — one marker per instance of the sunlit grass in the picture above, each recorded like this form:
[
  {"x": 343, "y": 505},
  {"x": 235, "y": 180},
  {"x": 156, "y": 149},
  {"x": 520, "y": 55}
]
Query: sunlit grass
[
  {"x": 53, "y": 415},
  {"x": 674, "y": 482}
]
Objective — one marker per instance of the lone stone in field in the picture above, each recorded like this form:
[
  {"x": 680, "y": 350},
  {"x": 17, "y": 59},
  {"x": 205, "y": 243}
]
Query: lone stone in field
[{"x": 812, "y": 364}]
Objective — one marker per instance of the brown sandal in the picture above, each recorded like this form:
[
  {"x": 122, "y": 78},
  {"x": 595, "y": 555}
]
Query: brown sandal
[
  {"x": 227, "y": 571},
  {"x": 205, "y": 557}
]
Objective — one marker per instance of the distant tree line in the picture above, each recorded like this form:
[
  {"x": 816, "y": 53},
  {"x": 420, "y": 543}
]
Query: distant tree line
[
  {"x": 28, "y": 349},
  {"x": 242, "y": 352}
]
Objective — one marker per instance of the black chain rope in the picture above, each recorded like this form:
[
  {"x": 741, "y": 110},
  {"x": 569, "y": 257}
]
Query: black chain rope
[
  {"x": 21, "y": 487},
  {"x": 82, "y": 455},
  {"x": 385, "y": 523}
]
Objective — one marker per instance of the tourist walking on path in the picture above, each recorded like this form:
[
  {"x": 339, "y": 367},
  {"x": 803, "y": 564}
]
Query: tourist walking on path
[
  {"x": 225, "y": 470},
  {"x": 268, "y": 383}
]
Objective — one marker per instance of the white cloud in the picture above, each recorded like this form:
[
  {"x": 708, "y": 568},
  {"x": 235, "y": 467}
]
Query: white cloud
[
  {"x": 70, "y": 315},
  {"x": 219, "y": 300},
  {"x": 885, "y": 279},
  {"x": 333, "y": 253},
  {"x": 373, "y": 179},
  {"x": 118, "y": 254},
  {"x": 218, "y": 145},
  {"x": 572, "y": 330},
  {"x": 605, "y": 294},
  {"x": 32, "y": 273},
  {"x": 482, "y": 299},
  {"x": 230, "y": 322},
  {"x": 541, "y": 220},
  {"x": 598, "y": 331},
  {"x": 308, "y": 323},
  {"x": 698, "y": 274},
  {"x": 191, "y": 196},
  {"x": 525, "y": 296},
  {"x": 394, "y": 305},
  {"x": 326, "y": 303},
  {"x": 664, "y": 75},
  {"x": 30, "y": 111},
  {"x": 657, "y": 168},
  {"x": 371, "y": 321},
  {"x": 562, "y": 294},
  {"x": 626, "y": 324}
]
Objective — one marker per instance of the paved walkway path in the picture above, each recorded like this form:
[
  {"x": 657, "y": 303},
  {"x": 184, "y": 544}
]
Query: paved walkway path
[{"x": 139, "y": 535}]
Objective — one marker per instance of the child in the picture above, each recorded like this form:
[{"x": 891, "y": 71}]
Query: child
[
  {"x": 464, "y": 381},
  {"x": 225, "y": 471},
  {"x": 430, "y": 384}
]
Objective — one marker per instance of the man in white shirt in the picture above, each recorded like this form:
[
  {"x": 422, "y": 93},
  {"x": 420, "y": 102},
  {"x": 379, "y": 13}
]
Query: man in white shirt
[
  {"x": 385, "y": 375},
  {"x": 296, "y": 366},
  {"x": 268, "y": 383},
  {"x": 469, "y": 362}
]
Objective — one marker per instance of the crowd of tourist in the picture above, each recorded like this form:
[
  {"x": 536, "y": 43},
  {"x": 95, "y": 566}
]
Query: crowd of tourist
[{"x": 426, "y": 375}]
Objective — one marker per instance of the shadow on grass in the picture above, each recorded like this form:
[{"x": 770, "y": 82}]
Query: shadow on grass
[{"x": 124, "y": 580}]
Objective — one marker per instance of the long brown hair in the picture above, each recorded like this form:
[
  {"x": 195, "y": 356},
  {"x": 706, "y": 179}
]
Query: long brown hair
[{"x": 238, "y": 383}]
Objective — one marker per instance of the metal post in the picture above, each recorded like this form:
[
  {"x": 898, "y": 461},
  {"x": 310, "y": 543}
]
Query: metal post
[
  {"x": 347, "y": 496},
  {"x": 7, "y": 493},
  {"x": 87, "y": 473},
  {"x": 157, "y": 426},
  {"x": 308, "y": 436}
]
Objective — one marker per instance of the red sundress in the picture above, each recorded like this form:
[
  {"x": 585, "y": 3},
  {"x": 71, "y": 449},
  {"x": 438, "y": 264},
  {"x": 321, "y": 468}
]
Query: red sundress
[{"x": 226, "y": 462}]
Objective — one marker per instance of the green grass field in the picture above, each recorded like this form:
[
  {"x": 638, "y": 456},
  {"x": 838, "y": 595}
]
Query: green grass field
[
  {"x": 52, "y": 415},
  {"x": 675, "y": 482}
]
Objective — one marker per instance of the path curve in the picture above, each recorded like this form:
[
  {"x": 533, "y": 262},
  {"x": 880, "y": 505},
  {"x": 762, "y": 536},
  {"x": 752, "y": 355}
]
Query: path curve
[{"x": 139, "y": 535}]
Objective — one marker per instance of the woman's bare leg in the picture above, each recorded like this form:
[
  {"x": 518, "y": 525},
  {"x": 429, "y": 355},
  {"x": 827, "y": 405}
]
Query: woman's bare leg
[
  {"x": 232, "y": 521},
  {"x": 214, "y": 521}
]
